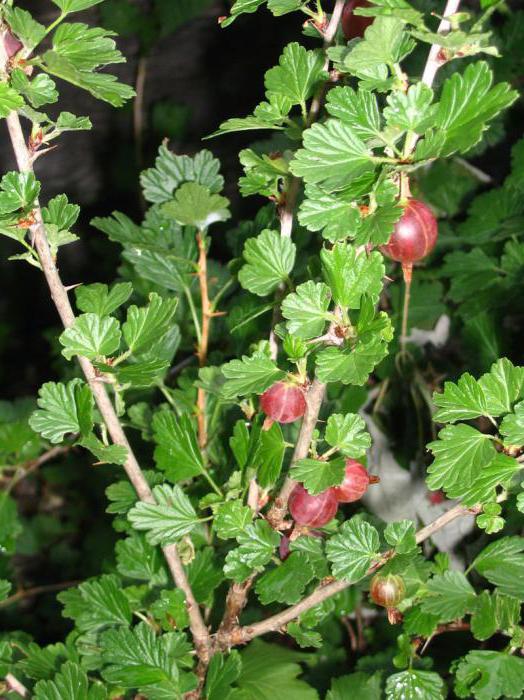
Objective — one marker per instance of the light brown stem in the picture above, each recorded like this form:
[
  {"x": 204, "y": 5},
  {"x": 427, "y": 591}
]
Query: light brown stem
[
  {"x": 105, "y": 406},
  {"x": 432, "y": 65},
  {"x": 277, "y": 622},
  {"x": 14, "y": 684},
  {"x": 203, "y": 345},
  {"x": 314, "y": 399}
]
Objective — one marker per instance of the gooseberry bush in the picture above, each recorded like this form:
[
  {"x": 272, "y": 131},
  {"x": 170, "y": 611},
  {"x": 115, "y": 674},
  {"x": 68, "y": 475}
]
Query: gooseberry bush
[{"x": 288, "y": 437}]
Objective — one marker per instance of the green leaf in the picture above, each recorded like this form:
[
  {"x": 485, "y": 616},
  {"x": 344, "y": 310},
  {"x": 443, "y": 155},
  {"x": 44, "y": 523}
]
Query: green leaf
[
  {"x": 333, "y": 154},
  {"x": 204, "y": 574},
  {"x": 137, "y": 659},
  {"x": 257, "y": 543},
  {"x": 317, "y": 476},
  {"x": 350, "y": 365},
  {"x": 85, "y": 48},
  {"x": 414, "y": 685},
  {"x": 269, "y": 455},
  {"x": 502, "y": 563},
  {"x": 240, "y": 7},
  {"x": 177, "y": 452},
  {"x": 357, "y": 109},
  {"x": 461, "y": 401},
  {"x": 263, "y": 175},
  {"x": 195, "y": 205},
  {"x": 137, "y": 559},
  {"x": 298, "y": 74},
  {"x": 502, "y": 386},
  {"x": 5, "y": 587},
  {"x": 270, "y": 258},
  {"x": 138, "y": 374},
  {"x": 69, "y": 122},
  {"x": 103, "y": 86},
  {"x": 146, "y": 325},
  {"x": 336, "y": 215},
  {"x": 499, "y": 472},
  {"x": 449, "y": 596},
  {"x": 10, "y": 525},
  {"x": 304, "y": 637},
  {"x": 285, "y": 583},
  {"x": 169, "y": 519},
  {"x": 382, "y": 44},
  {"x": 99, "y": 299},
  {"x": 171, "y": 171},
  {"x": 494, "y": 612},
  {"x": 411, "y": 111},
  {"x": 105, "y": 454},
  {"x": 29, "y": 31},
  {"x": 270, "y": 671},
  {"x": 351, "y": 275},
  {"x": 96, "y": 604},
  {"x": 353, "y": 550},
  {"x": 356, "y": 685},
  {"x": 222, "y": 672},
  {"x": 460, "y": 453},
  {"x": 231, "y": 519},
  {"x": 512, "y": 426},
  {"x": 348, "y": 434},
  {"x": 91, "y": 336},
  {"x": 18, "y": 191},
  {"x": 250, "y": 375},
  {"x": 468, "y": 102},
  {"x": 171, "y": 610},
  {"x": 69, "y": 684},
  {"x": 489, "y": 675},
  {"x": 64, "y": 408},
  {"x": 282, "y": 7},
  {"x": 68, "y": 6},
  {"x": 401, "y": 536},
  {"x": 39, "y": 91},
  {"x": 306, "y": 309}
]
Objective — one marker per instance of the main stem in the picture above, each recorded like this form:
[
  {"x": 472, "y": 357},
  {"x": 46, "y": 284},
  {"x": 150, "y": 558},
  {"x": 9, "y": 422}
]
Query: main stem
[
  {"x": 105, "y": 406},
  {"x": 203, "y": 344}
]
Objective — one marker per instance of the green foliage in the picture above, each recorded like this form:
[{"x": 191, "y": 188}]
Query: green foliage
[{"x": 185, "y": 455}]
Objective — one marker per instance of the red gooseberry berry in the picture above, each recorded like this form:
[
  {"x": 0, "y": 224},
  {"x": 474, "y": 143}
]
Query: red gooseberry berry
[
  {"x": 353, "y": 25},
  {"x": 355, "y": 484},
  {"x": 283, "y": 402},
  {"x": 388, "y": 590},
  {"x": 414, "y": 235},
  {"x": 313, "y": 511}
]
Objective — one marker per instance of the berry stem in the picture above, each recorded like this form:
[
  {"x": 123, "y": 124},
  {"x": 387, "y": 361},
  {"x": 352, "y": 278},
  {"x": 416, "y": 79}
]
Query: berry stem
[{"x": 407, "y": 270}]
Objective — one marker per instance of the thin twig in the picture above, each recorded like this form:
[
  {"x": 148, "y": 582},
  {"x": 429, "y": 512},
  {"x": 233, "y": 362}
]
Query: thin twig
[
  {"x": 138, "y": 108},
  {"x": 23, "y": 470},
  {"x": 37, "y": 590},
  {"x": 105, "y": 406}
]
